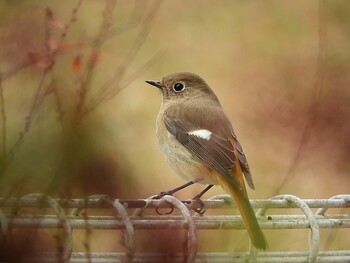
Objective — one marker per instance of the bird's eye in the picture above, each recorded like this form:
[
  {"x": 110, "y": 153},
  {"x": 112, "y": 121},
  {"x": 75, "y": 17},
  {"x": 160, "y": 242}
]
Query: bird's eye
[{"x": 178, "y": 87}]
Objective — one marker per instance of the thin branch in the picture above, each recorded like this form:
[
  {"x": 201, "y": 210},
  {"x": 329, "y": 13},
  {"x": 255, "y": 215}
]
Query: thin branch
[
  {"x": 12, "y": 72},
  {"x": 29, "y": 118},
  {"x": 317, "y": 88},
  {"x": 72, "y": 19},
  {"x": 112, "y": 93},
  {"x": 126, "y": 82},
  {"x": 144, "y": 32},
  {"x": 95, "y": 49},
  {"x": 3, "y": 122},
  {"x": 112, "y": 87},
  {"x": 38, "y": 97},
  {"x": 34, "y": 107},
  {"x": 134, "y": 22},
  {"x": 58, "y": 104}
]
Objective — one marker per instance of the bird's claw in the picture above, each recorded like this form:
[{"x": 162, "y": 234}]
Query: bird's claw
[{"x": 200, "y": 210}]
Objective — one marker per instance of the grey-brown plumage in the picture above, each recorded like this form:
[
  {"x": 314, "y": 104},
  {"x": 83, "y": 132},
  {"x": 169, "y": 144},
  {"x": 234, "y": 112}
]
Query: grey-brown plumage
[{"x": 199, "y": 143}]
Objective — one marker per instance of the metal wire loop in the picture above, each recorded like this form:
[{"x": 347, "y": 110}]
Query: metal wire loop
[
  {"x": 222, "y": 197},
  {"x": 139, "y": 211},
  {"x": 77, "y": 210},
  {"x": 346, "y": 198},
  {"x": 56, "y": 218},
  {"x": 129, "y": 228},
  {"x": 314, "y": 236},
  {"x": 191, "y": 232},
  {"x": 63, "y": 221},
  {"x": 253, "y": 252}
]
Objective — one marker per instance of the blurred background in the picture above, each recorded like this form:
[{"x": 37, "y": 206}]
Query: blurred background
[{"x": 78, "y": 119}]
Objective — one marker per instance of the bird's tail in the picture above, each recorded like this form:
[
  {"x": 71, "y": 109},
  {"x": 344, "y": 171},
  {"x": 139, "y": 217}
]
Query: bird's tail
[{"x": 240, "y": 196}]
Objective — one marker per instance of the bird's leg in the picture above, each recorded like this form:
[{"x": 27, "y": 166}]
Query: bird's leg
[
  {"x": 171, "y": 192},
  {"x": 197, "y": 198}
]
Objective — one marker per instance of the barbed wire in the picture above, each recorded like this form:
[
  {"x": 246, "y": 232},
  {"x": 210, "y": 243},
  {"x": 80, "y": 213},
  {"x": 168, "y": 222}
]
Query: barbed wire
[{"x": 129, "y": 216}]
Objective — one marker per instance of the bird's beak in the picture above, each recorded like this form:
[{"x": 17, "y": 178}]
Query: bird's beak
[{"x": 155, "y": 83}]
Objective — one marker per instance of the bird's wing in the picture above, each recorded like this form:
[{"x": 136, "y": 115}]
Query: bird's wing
[
  {"x": 243, "y": 161},
  {"x": 214, "y": 145}
]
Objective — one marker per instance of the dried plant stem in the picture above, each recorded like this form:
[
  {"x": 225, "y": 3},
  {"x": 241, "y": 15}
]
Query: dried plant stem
[
  {"x": 3, "y": 123},
  {"x": 29, "y": 118},
  {"x": 58, "y": 105},
  {"x": 317, "y": 88},
  {"x": 112, "y": 87},
  {"x": 100, "y": 39},
  {"x": 72, "y": 19},
  {"x": 14, "y": 71},
  {"x": 125, "y": 83},
  {"x": 39, "y": 95}
]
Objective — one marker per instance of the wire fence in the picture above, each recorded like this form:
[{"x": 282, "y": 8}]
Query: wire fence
[{"x": 130, "y": 216}]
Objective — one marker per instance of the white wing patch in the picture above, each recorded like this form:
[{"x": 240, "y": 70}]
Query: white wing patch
[{"x": 203, "y": 134}]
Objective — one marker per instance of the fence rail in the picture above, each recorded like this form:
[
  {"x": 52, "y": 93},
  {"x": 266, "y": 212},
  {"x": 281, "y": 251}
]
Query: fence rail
[{"x": 129, "y": 216}]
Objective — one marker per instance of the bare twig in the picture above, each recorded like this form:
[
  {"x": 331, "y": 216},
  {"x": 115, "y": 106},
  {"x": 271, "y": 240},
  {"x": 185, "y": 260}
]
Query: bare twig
[
  {"x": 134, "y": 22},
  {"x": 317, "y": 88},
  {"x": 147, "y": 23},
  {"x": 38, "y": 97},
  {"x": 112, "y": 87},
  {"x": 3, "y": 123},
  {"x": 29, "y": 118},
  {"x": 51, "y": 52},
  {"x": 142, "y": 36},
  {"x": 72, "y": 19},
  {"x": 12, "y": 72},
  {"x": 136, "y": 73},
  {"x": 95, "y": 50},
  {"x": 109, "y": 94},
  {"x": 35, "y": 105},
  {"x": 58, "y": 104},
  {"x": 53, "y": 48}
]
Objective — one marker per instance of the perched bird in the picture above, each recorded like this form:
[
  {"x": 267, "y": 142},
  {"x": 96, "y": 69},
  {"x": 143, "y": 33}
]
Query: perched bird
[{"x": 198, "y": 141}]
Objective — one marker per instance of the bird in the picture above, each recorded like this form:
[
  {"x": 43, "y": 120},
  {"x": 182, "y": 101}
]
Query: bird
[{"x": 199, "y": 143}]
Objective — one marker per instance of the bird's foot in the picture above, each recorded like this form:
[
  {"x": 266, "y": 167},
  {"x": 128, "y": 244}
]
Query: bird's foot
[{"x": 200, "y": 210}]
